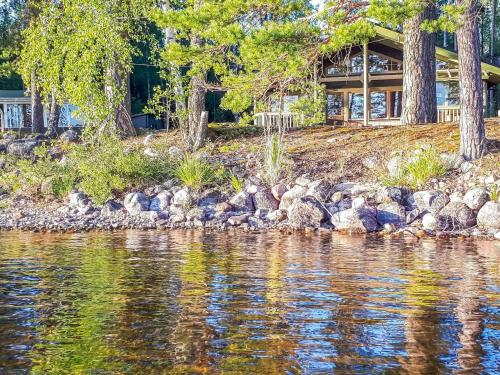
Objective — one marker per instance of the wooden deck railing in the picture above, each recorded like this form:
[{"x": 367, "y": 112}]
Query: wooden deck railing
[
  {"x": 448, "y": 113},
  {"x": 287, "y": 120}
]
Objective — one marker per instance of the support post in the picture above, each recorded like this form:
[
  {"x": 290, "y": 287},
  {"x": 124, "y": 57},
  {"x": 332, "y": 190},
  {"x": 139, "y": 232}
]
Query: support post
[
  {"x": 345, "y": 105},
  {"x": 366, "y": 89},
  {"x": 3, "y": 120}
]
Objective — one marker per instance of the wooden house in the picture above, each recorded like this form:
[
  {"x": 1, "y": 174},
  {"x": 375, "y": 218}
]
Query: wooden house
[
  {"x": 15, "y": 112},
  {"x": 375, "y": 70}
]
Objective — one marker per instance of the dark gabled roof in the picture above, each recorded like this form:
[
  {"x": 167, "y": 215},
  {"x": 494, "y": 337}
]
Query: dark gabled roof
[
  {"x": 12, "y": 94},
  {"x": 397, "y": 39}
]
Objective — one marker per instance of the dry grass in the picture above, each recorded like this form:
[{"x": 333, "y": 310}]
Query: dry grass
[{"x": 325, "y": 152}]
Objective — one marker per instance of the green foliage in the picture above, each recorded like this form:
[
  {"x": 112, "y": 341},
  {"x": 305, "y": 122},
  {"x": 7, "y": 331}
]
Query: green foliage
[
  {"x": 230, "y": 147},
  {"x": 274, "y": 158},
  {"x": 107, "y": 167},
  {"x": 81, "y": 52},
  {"x": 417, "y": 170},
  {"x": 196, "y": 173},
  {"x": 237, "y": 183},
  {"x": 495, "y": 193},
  {"x": 27, "y": 176}
]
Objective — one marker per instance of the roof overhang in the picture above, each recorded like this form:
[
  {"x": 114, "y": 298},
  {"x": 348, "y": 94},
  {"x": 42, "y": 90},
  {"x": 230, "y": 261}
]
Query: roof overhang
[{"x": 491, "y": 73}]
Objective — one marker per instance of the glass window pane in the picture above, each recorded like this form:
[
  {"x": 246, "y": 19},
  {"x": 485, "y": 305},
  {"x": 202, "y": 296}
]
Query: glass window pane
[
  {"x": 378, "y": 102},
  {"x": 396, "y": 104},
  {"x": 334, "y": 103},
  {"x": 448, "y": 93},
  {"x": 356, "y": 106}
]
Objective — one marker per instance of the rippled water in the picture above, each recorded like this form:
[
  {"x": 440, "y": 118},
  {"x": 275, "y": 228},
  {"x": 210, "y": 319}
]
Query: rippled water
[{"x": 187, "y": 302}]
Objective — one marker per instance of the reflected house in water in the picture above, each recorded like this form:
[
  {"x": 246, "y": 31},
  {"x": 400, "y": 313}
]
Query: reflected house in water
[
  {"x": 15, "y": 112},
  {"x": 347, "y": 84}
]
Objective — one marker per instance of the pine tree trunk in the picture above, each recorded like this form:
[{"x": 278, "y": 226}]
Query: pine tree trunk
[
  {"x": 36, "y": 107},
  {"x": 419, "y": 71},
  {"x": 472, "y": 131},
  {"x": 197, "y": 124},
  {"x": 55, "y": 114},
  {"x": 493, "y": 30}
]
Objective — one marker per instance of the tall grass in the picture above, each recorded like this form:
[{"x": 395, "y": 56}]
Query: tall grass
[
  {"x": 196, "y": 173},
  {"x": 417, "y": 170},
  {"x": 274, "y": 158},
  {"x": 237, "y": 183}
]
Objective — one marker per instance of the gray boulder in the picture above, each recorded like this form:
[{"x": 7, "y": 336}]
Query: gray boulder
[
  {"x": 183, "y": 197},
  {"x": 429, "y": 222},
  {"x": 452, "y": 161},
  {"x": 111, "y": 207},
  {"x": 360, "y": 220},
  {"x": 135, "y": 203},
  {"x": 389, "y": 194},
  {"x": 22, "y": 148},
  {"x": 456, "y": 216},
  {"x": 161, "y": 201},
  {"x": 69, "y": 136},
  {"x": 278, "y": 191},
  {"x": 238, "y": 220},
  {"x": 209, "y": 198},
  {"x": 78, "y": 199},
  {"x": 489, "y": 215},
  {"x": 305, "y": 213},
  {"x": 242, "y": 202},
  {"x": 476, "y": 198},
  {"x": 277, "y": 215},
  {"x": 264, "y": 200},
  {"x": 430, "y": 200},
  {"x": 391, "y": 213},
  {"x": 287, "y": 199},
  {"x": 320, "y": 189}
]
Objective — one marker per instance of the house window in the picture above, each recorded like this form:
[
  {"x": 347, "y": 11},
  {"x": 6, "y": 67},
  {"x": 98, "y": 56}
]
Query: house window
[
  {"x": 14, "y": 117},
  {"x": 356, "y": 106},
  {"x": 334, "y": 103},
  {"x": 396, "y": 104},
  {"x": 378, "y": 102},
  {"x": 447, "y": 93},
  {"x": 286, "y": 103},
  {"x": 377, "y": 64}
]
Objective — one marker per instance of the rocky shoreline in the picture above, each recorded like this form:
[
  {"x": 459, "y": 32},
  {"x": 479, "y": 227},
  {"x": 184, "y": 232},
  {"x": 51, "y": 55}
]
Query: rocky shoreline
[{"x": 303, "y": 205}]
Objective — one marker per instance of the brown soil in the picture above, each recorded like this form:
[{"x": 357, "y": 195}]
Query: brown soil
[{"x": 327, "y": 152}]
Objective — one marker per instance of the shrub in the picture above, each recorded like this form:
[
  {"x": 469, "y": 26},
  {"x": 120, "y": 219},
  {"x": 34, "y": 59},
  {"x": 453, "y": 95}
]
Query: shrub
[
  {"x": 28, "y": 176},
  {"x": 237, "y": 183},
  {"x": 196, "y": 173},
  {"x": 106, "y": 167},
  {"x": 274, "y": 157},
  {"x": 417, "y": 170}
]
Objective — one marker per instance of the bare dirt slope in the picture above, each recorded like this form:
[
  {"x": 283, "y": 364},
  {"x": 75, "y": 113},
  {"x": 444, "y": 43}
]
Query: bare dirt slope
[{"x": 324, "y": 151}]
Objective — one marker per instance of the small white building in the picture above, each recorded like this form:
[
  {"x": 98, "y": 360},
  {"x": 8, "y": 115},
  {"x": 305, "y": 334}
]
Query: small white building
[{"x": 15, "y": 112}]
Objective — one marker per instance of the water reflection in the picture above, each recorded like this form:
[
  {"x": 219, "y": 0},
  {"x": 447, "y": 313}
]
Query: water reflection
[{"x": 192, "y": 302}]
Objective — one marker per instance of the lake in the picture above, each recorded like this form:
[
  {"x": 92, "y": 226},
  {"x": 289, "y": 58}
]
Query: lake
[{"x": 188, "y": 302}]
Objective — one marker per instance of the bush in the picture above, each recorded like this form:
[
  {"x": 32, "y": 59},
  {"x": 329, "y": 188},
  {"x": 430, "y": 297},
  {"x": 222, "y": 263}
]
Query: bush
[
  {"x": 196, "y": 173},
  {"x": 417, "y": 170},
  {"x": 107, "y": 167},
  {"x": 99, "y": 169},
  {"x": 28, "y": 176}
]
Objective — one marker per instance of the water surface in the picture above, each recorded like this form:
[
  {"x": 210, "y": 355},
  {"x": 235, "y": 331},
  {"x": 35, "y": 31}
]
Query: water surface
[{"x": 189, "y": 303}]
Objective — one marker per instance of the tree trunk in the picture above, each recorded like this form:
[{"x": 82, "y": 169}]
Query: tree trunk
[
  {"x": 180, "y": 105},
  {"x": 419, "y": 71},
  {"x": 197, "y": 122},
  {"x": 472, "y": 131},
  {"x": 493, "y": 30},
  {"x": 122, "y": 118},
  {"x": 54, "y": 116},
  {"x": 36, "y": 107}
]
